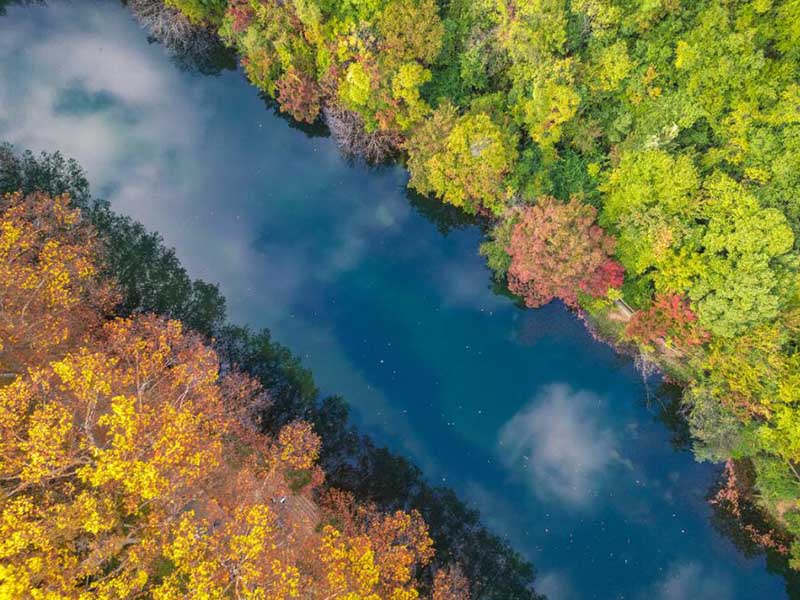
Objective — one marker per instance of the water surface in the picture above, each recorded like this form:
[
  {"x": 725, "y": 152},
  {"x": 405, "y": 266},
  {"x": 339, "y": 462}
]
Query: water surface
[{"x": 547, "y": 432}]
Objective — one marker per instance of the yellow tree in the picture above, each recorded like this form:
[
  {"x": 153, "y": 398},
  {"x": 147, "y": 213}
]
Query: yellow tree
[
  {"x": 101, "y": 450},
  {"x": 49, "y": 291},
  {"x": 368, "y": 554}
]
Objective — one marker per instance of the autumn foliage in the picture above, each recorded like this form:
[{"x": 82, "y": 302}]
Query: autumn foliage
[
  {"x": 298, "y": 95},
  {"x": 374, "y": 554},
  {"x": 669, "y": 318},
  {"x": 678, "y": 121},
  {"x": 47, "y": 261},
  {"x": 558, "y": 250},
  {"x": 130, "y": 467}
]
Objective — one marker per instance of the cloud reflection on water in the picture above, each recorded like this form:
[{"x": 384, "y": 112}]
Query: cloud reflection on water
[
  {"x": 560, "y": 445},
  {"x": 691, "y": 580}
]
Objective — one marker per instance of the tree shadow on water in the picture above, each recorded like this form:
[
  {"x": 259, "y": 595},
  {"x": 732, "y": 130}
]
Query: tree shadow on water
[
  {"x": 445, "y": 217},
  {"x": 735, "y": 515},
  {"x": 317, "y": 129}
]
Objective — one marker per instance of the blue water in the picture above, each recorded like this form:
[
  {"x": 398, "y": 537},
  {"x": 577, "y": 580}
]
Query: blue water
[{"x": 554, "y": 438}]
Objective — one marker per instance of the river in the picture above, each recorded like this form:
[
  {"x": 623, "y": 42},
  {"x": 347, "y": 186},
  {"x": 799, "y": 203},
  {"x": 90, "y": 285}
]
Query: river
[{"x": 558, "y": 441}]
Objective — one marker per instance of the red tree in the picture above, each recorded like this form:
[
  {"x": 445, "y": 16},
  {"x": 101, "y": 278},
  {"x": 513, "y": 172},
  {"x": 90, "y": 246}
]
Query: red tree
[
  {"x": 670, "y": 316},
  {"x": 241, "y": 13},
  {"x": 557, "y": 249},
  {"x": 299, "y": 95}
]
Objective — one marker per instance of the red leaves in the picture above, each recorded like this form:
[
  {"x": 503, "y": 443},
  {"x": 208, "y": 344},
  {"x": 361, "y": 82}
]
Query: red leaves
[
  {"x": 242, "y": 14},
  {"x": 610, "y": 274},
  {"x": 299, "y": 95},
  {"x": 670, "y": 316},
  {"x": 557, "y": 249}
]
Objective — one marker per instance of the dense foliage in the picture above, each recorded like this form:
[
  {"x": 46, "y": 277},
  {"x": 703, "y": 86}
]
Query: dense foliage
[
  {"x": 678, "y": 121},
  {"x": 557, "y": 250}
]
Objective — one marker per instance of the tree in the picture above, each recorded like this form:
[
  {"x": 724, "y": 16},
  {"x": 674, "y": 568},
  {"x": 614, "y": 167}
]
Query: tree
[
  {"x": 557, "y": 250},
  {"x": 367, "y": 58},
  {"x": 100, "y": 449},
  {"x": 450, "y": 584},
  {"x": 466, "y": 165},
  {"x": 147, "y": 274},
  {"x": 411, "y": 30},
  {"x": 49, "y": 173},
  {"x": 743, "y": 268},
  {"x": 543, "y": 96},
  {"x": 292, "y": 391},
  {"x": 191, "y": 44},
  {"x": 428, "y": 140},
  {"x": 650, "y": 200},
  {"x": 200, "y": 11},
  {"x": 717, "y": 245},
  {"x": 298, "y": 95},
  {"x": 242, "y": 555},
  {"x": 755, "y": 373},
  {"x": 50, "y": 294},
  {"x": 351, "y": 460},
  {"x": 669, "y": 318},
  {"x": 354, "y": 141},
  {"x": 298, "y": 445},
  {"x": 610, "y": 67},
  {"x": 129, "y": 466},
  {"x": 270, "y": 38},
  {"x": 370, "y": 552}
]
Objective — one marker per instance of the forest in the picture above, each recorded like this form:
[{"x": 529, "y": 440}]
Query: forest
[{"x": 637, "y": 160}]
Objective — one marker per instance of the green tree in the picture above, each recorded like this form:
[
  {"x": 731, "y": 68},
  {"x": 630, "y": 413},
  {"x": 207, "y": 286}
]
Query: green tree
[
  {"x": 746, "y": 272},
  {"x": 649, "y": 199},
  {"x": 469, "y": 167},
  {"x": 200, "y": 11}
]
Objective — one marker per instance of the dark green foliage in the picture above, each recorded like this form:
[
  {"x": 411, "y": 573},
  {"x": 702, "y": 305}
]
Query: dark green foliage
[
  {"x": 291, "y": 385},
  {"x": 48, "y": 172},
  {"x": 570, "y": 177},
  {"x": 151, "y": 276},
  {"x": 148, "y": 273},
  {"x": 297, "y": 479}
]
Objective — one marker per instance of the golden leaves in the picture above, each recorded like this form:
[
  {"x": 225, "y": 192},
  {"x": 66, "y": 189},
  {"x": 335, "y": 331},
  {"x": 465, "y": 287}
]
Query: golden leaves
[
  {"x": 298, "y": 445},
  {"x": 48, "y": 286}
]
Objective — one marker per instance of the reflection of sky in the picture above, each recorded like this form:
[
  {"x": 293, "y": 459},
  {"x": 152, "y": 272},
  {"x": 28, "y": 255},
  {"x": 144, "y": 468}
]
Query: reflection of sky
[
  {"x": 560, "y": 444},
  {"x": 531, "y": 421}
]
